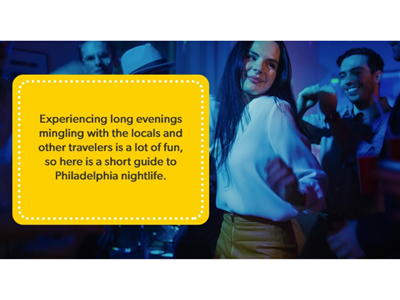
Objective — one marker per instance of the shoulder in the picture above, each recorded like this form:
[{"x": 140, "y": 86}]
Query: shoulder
[
  {"x": 270, "y": 108},
  {"x": 272, "y": 103},
  {"x": 282, "y": 105}
]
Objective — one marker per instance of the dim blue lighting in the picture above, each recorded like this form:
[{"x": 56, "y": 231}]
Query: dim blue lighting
[
  {"x": 335, "y": 80},
  {"x": 167, "y": 255},
  {"x": 156, "y": 252}
]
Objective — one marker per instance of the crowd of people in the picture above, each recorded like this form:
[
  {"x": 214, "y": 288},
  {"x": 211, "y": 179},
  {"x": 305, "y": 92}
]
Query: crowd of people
[{"x": 262, "y": 170}]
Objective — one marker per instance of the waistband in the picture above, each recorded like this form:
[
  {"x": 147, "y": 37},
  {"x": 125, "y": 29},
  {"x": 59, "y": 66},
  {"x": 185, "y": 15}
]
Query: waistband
[{"x": 234, "y": 216}]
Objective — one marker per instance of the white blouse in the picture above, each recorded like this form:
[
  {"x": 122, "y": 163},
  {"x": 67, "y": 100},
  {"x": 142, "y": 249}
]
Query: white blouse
[{"x": 270, "y": 132}]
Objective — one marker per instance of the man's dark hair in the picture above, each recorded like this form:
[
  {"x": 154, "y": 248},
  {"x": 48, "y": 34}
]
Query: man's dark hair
[{"x": 375, "y": 61}]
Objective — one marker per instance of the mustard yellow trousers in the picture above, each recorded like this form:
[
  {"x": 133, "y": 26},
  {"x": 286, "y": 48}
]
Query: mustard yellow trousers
[{"x": 253, "y": 237}]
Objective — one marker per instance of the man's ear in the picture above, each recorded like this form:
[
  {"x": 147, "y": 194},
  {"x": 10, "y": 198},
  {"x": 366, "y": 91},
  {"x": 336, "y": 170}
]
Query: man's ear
[{"x": 378, "y": 75}]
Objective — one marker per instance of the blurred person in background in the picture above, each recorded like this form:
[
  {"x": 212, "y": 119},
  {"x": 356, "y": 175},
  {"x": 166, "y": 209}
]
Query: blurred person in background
[{"x": 97, "y": 57}]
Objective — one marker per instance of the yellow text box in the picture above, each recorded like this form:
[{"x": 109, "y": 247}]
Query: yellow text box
[{"x": 110, "y": 149}]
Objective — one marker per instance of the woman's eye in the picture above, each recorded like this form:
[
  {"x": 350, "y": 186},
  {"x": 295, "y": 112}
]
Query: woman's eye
[{"x": 272, "y": 66}]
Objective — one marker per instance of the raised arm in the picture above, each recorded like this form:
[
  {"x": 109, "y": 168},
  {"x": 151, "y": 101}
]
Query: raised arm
[{"x": 350, "y": 143}]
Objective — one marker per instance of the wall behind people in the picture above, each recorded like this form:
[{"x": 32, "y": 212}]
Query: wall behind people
[
  {"x": 58, "y": 52},
  {"x": 63, "y": 56},
  {"x": 206, "y": 58},
  {"x": 305, "y": 66}
]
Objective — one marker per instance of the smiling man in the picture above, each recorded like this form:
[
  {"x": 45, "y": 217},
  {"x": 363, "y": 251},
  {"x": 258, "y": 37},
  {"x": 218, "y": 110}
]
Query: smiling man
[{"x": 357, "y": 130}]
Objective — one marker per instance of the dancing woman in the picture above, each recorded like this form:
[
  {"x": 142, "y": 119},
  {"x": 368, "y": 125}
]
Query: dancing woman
[{"x": 266, "y": 172}]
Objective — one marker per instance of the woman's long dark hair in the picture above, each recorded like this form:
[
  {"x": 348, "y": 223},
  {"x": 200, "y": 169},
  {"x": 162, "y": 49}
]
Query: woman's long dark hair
[{"x": 233, "y": 100}]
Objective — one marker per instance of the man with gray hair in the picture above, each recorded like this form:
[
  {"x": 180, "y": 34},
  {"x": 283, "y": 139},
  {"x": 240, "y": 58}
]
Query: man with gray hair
[{"x": 97, "y": 57}]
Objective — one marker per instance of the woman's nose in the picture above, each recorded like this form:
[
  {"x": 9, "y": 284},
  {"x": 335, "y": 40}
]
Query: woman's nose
[{"x": 257, "y": 67}]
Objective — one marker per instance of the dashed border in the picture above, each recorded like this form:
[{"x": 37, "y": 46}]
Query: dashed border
[{"x": 202, "y": 112}]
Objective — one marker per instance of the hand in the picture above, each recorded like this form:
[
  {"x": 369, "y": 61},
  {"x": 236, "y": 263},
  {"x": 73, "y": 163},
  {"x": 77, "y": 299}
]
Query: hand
[
  {"x": 327, "y": 100},
  {"x": 307, "y": 98},
  {"x": 283, "y": 182},
  {"x": 344, "y": 241}
]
